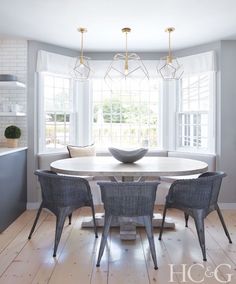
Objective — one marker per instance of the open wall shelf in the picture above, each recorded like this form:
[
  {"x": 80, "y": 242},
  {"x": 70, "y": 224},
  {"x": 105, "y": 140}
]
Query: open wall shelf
[
  {"x": 11, "y": 85},
  {"x": 12, "y": 113}
]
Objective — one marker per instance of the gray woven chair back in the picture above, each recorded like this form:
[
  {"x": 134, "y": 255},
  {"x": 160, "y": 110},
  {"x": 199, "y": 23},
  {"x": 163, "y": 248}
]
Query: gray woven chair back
[
  {"x": 63, "y": 190},
  {"x": 128, "y": 198},
  {"x": 197, "y": 193}
]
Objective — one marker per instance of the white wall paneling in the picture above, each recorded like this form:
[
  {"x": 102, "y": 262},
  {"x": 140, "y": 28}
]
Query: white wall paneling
[{"x": 13, "y": 60}]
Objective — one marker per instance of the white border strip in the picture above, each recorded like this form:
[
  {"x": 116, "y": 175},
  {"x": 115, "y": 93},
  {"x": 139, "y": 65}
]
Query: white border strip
[{"x": 33, "y": 205}]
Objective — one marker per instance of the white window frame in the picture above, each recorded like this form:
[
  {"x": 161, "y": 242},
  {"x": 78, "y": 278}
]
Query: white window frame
[
  {"x": 41, "y": 115},
  {"x": 211, "y": 119},
  {"x": 169, "y": 98}
]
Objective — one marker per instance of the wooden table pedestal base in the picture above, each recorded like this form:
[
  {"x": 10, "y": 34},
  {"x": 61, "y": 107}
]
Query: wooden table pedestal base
[{"x": 127, "y": 225}]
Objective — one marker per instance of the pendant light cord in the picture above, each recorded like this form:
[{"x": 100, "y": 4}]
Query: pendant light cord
[
  {"x": 81, "y": 49},
  {"x": 126, "y": 51},
  {"x": 170, "y": 52},
  {"x": 169, "y": 57},
  {"x": 169, "y": 46}
]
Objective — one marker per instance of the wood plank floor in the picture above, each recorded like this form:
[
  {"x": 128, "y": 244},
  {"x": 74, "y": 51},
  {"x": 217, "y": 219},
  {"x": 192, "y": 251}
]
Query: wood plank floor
[{"x": 23, "y": 261}]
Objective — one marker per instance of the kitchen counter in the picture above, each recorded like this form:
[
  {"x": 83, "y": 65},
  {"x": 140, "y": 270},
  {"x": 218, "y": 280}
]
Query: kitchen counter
[{"x": 5, "y": 150}]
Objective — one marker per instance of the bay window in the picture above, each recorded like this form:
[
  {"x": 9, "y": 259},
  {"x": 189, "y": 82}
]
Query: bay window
[{"x": 174, "y": 115}]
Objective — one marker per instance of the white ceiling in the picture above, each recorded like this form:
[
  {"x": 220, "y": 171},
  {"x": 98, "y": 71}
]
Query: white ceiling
[{"x": 56, "y": 21}]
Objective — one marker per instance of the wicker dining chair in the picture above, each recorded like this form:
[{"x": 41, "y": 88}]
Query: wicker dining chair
[
  {"x": 128, "y": 199},
  {"x": 62, "y": 195},
  {"x": 197, "y": 198}
]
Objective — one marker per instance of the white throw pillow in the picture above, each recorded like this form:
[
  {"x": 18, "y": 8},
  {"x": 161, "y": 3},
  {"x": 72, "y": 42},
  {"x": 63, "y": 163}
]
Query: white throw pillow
[{"x": 81, "y": 151}]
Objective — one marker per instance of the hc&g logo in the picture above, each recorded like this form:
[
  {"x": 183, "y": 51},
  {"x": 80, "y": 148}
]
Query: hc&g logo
[{"x": 198, "y": 273}]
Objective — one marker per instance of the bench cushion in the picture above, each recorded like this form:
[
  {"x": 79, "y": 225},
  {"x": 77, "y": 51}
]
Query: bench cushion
[
  {"x": 44, "y": 160},
  {"x": 210, "y": 159}
]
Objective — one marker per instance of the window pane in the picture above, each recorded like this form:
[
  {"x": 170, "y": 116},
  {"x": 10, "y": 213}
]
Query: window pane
[
  {"x": 127, "y": 118},
  {"x": 48, "y": 81},
  {"x": 57, "y": 106},
  {"x": 194, "y": 106}
]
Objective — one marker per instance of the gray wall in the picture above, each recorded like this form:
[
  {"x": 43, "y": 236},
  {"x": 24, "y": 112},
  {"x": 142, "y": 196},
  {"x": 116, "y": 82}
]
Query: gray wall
[
  {"x": 227, "y": 161},
  {"x": 109, "y": 55},
  {"x": 225, "y": 104}
]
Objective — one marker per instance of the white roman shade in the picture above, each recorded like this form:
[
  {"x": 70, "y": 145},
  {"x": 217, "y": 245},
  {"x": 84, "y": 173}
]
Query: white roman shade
[
  {"x": 61, "y": 64},
  {"x": 54, "y": 63},
  {"x": 199, "y": 63}
]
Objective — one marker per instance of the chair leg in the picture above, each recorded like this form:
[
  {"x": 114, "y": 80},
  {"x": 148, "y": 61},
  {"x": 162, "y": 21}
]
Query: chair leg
[
  {"x": 163, "y": 221},
  {"x": 70, "y": 216},
  {"x": 94, "y": 221},
  {"x": 149, "y": 231},
  {"x": 223, "y": 223},
  {"x": 36, "y": 220},
  {"x": 59, "y": 227},
  {"x": 106, "y": 229},
  {"x": 186, "y": 216},
  {"x": 199, "y": 223}
]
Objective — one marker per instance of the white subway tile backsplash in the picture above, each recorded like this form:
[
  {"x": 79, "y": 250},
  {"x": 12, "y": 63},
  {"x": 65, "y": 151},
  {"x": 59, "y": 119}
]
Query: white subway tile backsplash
[{"x": 13, "y": 60}]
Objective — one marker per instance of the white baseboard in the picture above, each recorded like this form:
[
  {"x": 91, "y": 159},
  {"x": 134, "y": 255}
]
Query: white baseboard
[
  {"x": 227, "y": 205},
  {"x": 33, "y": 205}
]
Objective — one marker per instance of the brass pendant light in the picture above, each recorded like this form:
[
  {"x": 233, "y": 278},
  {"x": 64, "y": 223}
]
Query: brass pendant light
[
  {"x": 81, "y": 70},
  {"x": 169, "y": 67},
  {"x": 125, "y": 65}
]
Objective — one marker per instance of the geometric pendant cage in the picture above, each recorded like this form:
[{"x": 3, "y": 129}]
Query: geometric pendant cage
[
  {"x": 125, "y": 66},
  {"x": 169, "y": 67},
  {"x": 81, "y": 70}
]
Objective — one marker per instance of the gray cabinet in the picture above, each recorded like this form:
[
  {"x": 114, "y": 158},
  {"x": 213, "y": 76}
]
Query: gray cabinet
[{"x": 13, "y": 187}]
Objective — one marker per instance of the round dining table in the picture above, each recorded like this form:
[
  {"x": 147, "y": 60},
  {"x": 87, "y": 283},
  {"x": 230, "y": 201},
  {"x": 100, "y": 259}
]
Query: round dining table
[
  {"x": 107, "y": 166},
  {"x": 147, "y": 166}
]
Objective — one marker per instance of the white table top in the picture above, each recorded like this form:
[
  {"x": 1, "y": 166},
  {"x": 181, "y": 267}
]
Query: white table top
[{"x": 147, "y": 166}]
